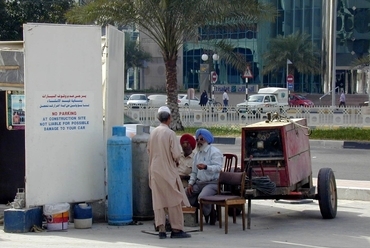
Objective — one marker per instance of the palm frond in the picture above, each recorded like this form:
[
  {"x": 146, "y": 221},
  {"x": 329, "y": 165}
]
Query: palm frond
[
  {"x": 361, "y": 62},
  {"x": 296, "y": 47}
]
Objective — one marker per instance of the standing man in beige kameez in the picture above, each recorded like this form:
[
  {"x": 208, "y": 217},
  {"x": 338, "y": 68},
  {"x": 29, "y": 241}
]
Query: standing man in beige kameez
[{"x": 168, "y": 194}]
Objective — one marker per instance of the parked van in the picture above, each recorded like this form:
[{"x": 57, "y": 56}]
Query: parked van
[
  {"x": 157, "y": 100},
  {"x": 268, "y": 99}
]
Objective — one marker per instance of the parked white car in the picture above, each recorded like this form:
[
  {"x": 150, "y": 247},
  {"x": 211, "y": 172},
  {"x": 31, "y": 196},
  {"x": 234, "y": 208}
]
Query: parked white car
[
  {"x": 125, "y": 99},
  {"x": 185, "y": 102},
  {"x": 137, "y": 101},
  {"x": 157, "y": 100},
  {"x": 131, "y": 125}
]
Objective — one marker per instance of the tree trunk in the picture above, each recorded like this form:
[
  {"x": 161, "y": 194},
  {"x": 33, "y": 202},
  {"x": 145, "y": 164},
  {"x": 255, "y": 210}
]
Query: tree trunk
[{"x": 171, "y": 89}]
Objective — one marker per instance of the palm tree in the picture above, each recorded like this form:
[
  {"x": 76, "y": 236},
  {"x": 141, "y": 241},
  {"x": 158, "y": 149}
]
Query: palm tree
[
  {"x": 361, "y": 62},
  {"x": 296, "y": 48},
  {"x": 170, "y": 22}
]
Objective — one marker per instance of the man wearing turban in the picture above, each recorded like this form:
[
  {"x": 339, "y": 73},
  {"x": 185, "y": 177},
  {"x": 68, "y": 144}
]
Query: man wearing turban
[
  {"x": 188, "y": 144},
  {"x": 205, "y": 172},
  {"x": 168, "y": 194}
]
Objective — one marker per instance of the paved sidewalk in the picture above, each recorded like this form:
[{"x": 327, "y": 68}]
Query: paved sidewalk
[{"x": 274, "y": 225}]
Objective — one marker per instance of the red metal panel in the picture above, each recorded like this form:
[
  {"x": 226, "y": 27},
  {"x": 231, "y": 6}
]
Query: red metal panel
[
  {"x": 294, "y": 163},
  {"x": 298, "y": 151}
]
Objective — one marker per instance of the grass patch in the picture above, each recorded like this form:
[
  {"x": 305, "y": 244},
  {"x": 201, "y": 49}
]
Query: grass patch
[
  {"x": 230, "y": 131},
  {"x": 347, "y": 133},
  {"x": 342, "y": 133}
]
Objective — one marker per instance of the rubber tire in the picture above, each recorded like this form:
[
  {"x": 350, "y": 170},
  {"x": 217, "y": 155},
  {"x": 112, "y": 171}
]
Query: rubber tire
[{"x": 327, "y": 192}]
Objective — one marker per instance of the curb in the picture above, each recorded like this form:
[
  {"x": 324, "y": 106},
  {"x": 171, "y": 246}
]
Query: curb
[
  {"x": 354, "y": 190},
  {"x": 225, "y": 140},
  {"x": 353, "y": 193},
  {"x": 327, "y": 143},
  {"x": 356, "y": 145}
]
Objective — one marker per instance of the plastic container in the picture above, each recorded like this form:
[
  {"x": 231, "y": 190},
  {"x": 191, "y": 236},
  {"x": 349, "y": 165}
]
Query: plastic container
[
  {"x": 57, "y": 216},
  {"x": 82, "y": 216}
]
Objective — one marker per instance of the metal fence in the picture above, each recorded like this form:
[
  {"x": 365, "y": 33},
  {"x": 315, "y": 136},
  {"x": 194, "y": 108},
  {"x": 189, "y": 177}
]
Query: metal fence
[{"x": 316, "y": 116}]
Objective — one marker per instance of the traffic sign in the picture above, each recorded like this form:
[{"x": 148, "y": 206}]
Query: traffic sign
[
  {"x": 290, "y": 78},
  {"x": 247, "y": 73},
  {"x": 214, "y": 77}
]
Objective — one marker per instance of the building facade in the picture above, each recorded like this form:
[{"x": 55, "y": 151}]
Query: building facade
[{"x": 342, "y": 33}]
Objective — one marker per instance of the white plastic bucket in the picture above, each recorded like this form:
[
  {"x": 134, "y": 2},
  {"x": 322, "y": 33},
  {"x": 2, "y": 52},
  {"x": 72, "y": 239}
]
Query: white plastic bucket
[{"x": 57, "y": 216}]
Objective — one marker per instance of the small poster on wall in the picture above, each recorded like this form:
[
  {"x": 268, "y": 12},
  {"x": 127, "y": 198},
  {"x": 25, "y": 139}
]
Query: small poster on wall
[{"x": 16, "y": 109}]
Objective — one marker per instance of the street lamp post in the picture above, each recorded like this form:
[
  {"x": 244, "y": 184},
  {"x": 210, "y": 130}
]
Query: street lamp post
[
  {"x": 215, "y": 58},
  {"x": 288, "y": 79}
]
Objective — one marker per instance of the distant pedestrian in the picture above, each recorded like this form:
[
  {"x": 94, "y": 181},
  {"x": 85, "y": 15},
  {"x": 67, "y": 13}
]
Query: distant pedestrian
[
  {"x": 342, "y": 100},
  {"x": 225, "y": 98},
  {"x": 203, "y": 99}
]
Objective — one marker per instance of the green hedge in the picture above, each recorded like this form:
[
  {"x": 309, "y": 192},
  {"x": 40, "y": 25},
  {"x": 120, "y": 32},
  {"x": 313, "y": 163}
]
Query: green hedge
[{"x": 341, "y": 133}]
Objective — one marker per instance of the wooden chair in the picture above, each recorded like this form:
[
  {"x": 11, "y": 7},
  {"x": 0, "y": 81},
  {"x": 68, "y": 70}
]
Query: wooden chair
[
  {"x": 230, "y": 165},
  {"x": 231, "y": 160},
  {"x": 221, "y": 200}
]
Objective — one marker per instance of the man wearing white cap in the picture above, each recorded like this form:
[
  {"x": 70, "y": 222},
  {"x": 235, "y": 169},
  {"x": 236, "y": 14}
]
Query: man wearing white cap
[{"x": 168, "y": 194}]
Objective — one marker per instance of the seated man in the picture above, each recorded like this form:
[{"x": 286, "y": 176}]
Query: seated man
[
  {"x": 188, "y": 144},
  {"x": 205, "y": 172}
]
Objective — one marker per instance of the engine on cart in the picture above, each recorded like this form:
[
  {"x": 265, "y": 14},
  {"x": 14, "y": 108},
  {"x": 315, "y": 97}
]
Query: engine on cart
[{"x": 276, "y": 156}]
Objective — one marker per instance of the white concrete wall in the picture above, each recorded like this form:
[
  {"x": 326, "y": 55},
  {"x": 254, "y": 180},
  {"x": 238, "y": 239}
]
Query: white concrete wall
[
  {"x": 64, "y": 131},
  {"x": 115, "y": 80}
]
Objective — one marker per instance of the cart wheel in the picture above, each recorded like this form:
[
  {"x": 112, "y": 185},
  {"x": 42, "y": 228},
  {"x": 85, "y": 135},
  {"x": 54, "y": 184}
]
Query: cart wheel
[{"x": 327, "y": 191}]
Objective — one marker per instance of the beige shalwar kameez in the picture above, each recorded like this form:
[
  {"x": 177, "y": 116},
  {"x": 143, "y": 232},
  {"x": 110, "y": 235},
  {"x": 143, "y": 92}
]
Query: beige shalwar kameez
[{"x": 164, "y": 180}]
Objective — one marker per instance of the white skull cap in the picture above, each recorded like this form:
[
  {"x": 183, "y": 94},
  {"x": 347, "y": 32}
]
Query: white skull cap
[{"x": 164, "y": 109}]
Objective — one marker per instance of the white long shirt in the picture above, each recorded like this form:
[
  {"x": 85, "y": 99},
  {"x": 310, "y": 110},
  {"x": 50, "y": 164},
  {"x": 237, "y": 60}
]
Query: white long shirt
[
  {"x": 225, "y": 96},
  {"x": 213, "y": 158}
]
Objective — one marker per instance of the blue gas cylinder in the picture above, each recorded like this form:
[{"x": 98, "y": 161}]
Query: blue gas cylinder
[{"x": 119, "y": 157}]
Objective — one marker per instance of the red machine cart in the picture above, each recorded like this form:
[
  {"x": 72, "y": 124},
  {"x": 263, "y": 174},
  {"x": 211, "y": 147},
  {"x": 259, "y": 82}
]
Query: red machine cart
[{"x": 276, "y": 156}]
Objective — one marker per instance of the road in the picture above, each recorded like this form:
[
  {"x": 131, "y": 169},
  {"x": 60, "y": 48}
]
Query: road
[
  {"x": 349, "y": 164},
  {"x": 276, "y": 225}
]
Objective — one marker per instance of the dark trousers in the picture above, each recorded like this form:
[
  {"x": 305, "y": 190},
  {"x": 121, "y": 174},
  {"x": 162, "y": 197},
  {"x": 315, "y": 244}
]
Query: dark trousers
[{"x": 226, "y": 103}]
